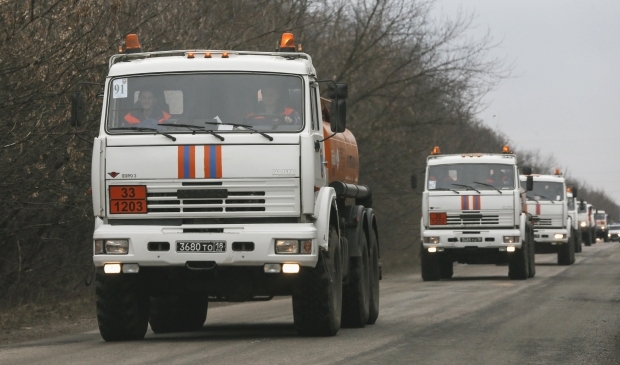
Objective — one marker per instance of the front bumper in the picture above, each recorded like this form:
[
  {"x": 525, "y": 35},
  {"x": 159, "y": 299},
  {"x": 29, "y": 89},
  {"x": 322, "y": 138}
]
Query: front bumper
[
  {"x": 548, "y": 235},
  {"x": 262, "y": 235},
  {"x": 451, "y": 239}
]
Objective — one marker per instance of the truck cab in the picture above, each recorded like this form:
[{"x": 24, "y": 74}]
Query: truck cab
[
  {"x": 547, "y": 202},
  {"x": 602, "y": 229},
  {"x": 473, "y": 212},
  {"x": 586, "y": 223},
  {"x": 224, "y": 176}
]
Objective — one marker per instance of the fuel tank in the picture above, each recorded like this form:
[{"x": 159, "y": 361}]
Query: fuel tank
[{"x": 341, "y": 155}]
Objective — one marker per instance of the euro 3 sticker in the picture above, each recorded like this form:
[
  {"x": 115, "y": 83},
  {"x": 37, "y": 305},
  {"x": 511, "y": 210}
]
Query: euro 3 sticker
[{"x": 119, "y": 88}]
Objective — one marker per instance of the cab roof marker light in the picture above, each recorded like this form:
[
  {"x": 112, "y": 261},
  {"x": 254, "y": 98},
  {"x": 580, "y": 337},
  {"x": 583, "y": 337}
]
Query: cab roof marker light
[
  {"x": 436, "y": 150},
  {"x": 287, "y": 42},
  {"x": 190, "y": 54},
  {"x": 225, "y": 55},
  {"x": 506, "y": 149},
  {"x": 207, "y": 54},
  {"x": 132, "y": 44}
]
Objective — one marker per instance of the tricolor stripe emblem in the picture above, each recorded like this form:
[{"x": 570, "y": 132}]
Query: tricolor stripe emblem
[
  {"x": 194, "y": 163},
  {"x": 470, "y": 202}
]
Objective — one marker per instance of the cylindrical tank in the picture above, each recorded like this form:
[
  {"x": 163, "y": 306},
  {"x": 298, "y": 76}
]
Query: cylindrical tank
[{"x": 341, "y": 155}]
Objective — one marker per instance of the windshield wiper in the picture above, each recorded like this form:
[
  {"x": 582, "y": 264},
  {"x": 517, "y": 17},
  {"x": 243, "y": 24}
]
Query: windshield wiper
[
  {"x": 468, "y": 187},
  {"x": 446, "y": 189},
  {"x": 243, "y": 126},
  {"x": 489, "y": 185},
  {"x": 544, "y": 197},
  {"x": 144, "y": 129},
  {"x": 193, "y": 127}
]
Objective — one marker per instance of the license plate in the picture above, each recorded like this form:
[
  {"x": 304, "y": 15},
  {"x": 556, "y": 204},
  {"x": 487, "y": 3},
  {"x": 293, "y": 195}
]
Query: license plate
[
  {"x": 205, "y": 246},
  {"x": 471, "y": 239}
]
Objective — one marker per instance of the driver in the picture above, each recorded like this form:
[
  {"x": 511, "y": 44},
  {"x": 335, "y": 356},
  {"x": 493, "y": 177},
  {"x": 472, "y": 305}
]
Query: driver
[
  {"x": 273, "y": 106},
  {"x": 149, "y": 114}
]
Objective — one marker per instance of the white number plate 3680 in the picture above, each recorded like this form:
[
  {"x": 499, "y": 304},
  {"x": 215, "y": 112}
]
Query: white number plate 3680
[{"x": 204, "y": 246}]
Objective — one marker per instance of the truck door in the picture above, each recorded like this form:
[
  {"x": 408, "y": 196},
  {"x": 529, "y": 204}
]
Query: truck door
[{"x": 320, "y": 170}]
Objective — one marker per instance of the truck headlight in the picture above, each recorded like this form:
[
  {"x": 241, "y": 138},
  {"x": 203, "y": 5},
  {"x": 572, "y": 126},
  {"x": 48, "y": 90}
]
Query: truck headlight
[
  {"x": 433, "y": 240},
  {"x": 117, "y": 247},
  {"x": 512, "y": 239},
  {"x": 583, "y": 224},
  {"x": 292, "y": 247},
  {"x": 558, "y": 236}
]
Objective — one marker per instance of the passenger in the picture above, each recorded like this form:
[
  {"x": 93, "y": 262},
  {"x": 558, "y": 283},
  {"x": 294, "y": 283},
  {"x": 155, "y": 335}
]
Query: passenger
[
  {"x": 273, "y": 107},
  {"x": 150, "y": 114}
]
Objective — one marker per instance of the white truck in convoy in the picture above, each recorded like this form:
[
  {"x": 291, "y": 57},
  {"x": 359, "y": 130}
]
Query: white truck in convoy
[
  {"x": 552, "y": 225},
  {"x": 224, "y": 176},
  {"x": 572, "y": 205},
  {"x": 600, "y": 220},
  {"x": 587, "y": 225},
  {"x": 473, "y": 212}
]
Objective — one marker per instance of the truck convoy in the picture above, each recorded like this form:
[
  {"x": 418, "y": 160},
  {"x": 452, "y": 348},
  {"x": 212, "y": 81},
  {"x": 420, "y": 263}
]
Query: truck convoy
[
  {"x": 552, "y": 225},
  {"x": 600, "y": 220},
  {"x": 571, "y": 203},
  {"x": 474, "y": 212},
  {"x": 225, "y": 176},
  {"x": 586, "y": 223}
]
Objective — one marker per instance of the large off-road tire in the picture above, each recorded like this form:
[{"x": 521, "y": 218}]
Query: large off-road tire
[
  {"x": 532, "y": 252},
  {"x": 178, "y": 313},
  {"x": 518, "y": 263},
  {"x": 446, "y": 267},
  {"x": 577, "y": 236},
  {"x": 356, "y": 293},
  {"x": 430, "y": 266},
  {"x": 587, "y": 238},
  {"x": 122, "y": 306},
  {"x": 373, "y": 251},
  {"x": 317, "y": 301},
  {"x": 566, "y": 254}
]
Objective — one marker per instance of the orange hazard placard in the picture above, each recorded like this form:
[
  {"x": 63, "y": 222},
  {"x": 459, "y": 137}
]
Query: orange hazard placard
[
  {"x": 127, "y": 206},
  {"x": 127, "y": 192}
]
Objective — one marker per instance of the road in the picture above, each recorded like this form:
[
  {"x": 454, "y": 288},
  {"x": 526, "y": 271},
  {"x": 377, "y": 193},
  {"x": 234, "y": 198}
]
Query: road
[{"x": 565, "y": 315}]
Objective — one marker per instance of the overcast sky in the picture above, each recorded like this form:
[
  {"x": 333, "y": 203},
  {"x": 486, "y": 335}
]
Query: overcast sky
[{"x": 564, "y": 97}]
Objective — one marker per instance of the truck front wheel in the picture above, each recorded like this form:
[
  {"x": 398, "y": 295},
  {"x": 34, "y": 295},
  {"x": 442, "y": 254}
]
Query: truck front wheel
[
  {"x": 566, "y": 254},
  {"x": 446, "y": 268},
  {"x": 178, "y": 313},
  {"x": 430, "y": 266},
  {"x": 518, "y": 263},
  {"x": 317, "y": 301},
  {"x": 122, "y": 306}
]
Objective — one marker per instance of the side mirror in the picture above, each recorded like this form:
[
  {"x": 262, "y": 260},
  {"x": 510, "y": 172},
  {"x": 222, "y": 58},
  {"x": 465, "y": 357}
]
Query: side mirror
[
  {"x": 575, "y": 191},
  {"x": 582, "y": 206},
  {"x": 414, "y": 181},
  {"x": 77, "y": 109},
  {"x": 337, "y": 90},
  {"x": 526, "y": 170},
  {"x": 338, "y": 116},
  {"x": 529, "y": 183}
]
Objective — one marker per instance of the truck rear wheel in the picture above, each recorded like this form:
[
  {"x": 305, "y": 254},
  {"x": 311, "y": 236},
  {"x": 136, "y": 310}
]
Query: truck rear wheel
[
  {"x": 577, "y": 236},
  {"x": 566, "y": 254},
  {"x": 518, "y": 263},
  {"x": 430, "y": 266},
  {"x": 317, "y": 301},
  {"x": 373, "y": 308},
  {"x": 587, "y": 239},
  {"x": 356, "y": 294},
  {"x": 122, "y": 306},
  {"x": 178, "y": 313}
]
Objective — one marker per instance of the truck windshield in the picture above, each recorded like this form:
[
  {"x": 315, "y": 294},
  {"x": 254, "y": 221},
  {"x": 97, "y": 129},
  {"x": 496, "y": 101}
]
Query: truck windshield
[
  {"x": 267, "y": 103},
  {"x": 599, "y": 216},
  {"x": 471, "y": 177},
  {"x": 544, "y": 190}
]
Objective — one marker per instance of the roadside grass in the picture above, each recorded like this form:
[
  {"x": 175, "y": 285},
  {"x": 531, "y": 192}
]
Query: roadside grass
[{"x": 46, "y": 318}]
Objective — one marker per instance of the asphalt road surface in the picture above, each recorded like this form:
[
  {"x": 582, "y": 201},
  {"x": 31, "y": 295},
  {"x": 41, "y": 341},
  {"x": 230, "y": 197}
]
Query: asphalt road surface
[{"x": 565, "y": 315}]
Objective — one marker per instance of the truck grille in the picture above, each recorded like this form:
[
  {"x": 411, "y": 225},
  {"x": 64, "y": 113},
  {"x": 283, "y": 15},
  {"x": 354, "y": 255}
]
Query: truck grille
[
  {"x": 276, "y": 197},
  {"x": 548, "y": 222},
  {"x": 478, "y": 219}
]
